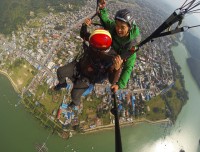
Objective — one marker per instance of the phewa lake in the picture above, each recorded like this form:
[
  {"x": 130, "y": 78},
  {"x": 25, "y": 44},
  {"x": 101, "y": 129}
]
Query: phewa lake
[{"x": 20, "y": 132}]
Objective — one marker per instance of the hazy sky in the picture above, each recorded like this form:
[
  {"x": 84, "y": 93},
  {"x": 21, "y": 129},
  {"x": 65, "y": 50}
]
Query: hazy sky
[
  {"x": 190, "y": 20},
  {"x": 178, "y": 3}
]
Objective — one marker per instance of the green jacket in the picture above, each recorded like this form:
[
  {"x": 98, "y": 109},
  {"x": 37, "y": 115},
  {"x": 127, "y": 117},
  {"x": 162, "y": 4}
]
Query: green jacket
[{"x": 121, "y": 45}]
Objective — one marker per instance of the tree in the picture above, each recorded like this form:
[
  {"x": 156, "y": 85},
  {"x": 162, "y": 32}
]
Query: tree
[
  {"x": 156, "y": 110},
  {"x": 169, "y": 93}
]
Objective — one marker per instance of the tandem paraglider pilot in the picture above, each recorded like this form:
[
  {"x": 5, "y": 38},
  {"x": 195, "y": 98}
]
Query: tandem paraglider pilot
[{"x": 126, "y": 36}]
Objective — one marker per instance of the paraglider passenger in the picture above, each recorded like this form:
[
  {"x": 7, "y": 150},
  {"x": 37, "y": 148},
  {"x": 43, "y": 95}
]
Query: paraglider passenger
[{"x": 92, "y": 67}]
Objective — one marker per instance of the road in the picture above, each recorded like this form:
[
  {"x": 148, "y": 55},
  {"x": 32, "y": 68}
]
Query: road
[{"x": 49, "y": 55}]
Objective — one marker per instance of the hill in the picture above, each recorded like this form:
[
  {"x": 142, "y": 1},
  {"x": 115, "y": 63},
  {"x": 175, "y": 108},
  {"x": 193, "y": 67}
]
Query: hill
[
  {"x": 15, "y": 12},
  {"x": 192, "y": 44},
  {"x": 194, "y": 65}
]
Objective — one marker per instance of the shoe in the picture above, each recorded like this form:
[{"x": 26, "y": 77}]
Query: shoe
[
  {"x": 60, "y": 86},
  {"x": 72, "y": 106}
]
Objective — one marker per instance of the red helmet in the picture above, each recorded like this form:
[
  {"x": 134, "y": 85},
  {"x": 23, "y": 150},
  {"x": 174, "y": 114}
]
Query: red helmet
[{"x": 100, "y": 39}]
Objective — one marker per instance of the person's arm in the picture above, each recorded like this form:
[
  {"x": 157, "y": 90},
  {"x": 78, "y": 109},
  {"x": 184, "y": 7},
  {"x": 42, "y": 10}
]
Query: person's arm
[
  {"x": 103, "y": 15},
  {"x": 126, "y": 72},
  {"x": 135, "y": 34},
  {"x": 106, "y": 21},
  {"x": 84, "y": 34}
]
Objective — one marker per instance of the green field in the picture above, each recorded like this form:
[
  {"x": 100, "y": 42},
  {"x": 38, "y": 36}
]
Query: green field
[
  {"x": 14, "y": 13},
  {"x": 157, "y": 109},
  {"x": 176, "y": 103},
  {"x": 21, "y": 72},
  {"x": 49, "y": 98},
  {"x": 158, "y": 104}
]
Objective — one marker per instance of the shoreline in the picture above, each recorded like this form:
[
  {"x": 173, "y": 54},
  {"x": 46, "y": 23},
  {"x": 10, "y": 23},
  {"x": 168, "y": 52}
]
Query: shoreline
[
  {"x": 100, "y": 128},
  {"x": 12, "y": 82},
  {"x": 125, "y": 124}
]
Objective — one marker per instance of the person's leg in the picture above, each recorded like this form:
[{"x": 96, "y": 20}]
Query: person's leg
[
  {"x": 80, "y": 86},
  {"x": 63, "y": 72}
]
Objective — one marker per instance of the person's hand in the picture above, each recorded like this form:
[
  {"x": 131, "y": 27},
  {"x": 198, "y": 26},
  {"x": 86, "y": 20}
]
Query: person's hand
[
  {"x": 88, "y": 21},
  {"x": 102, "y": 4},
  {"x": 117, "y": 62},
  {"x": 114, "y": 88}
]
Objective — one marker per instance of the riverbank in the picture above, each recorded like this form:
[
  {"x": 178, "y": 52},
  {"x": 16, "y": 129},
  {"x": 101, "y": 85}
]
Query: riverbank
[
  {"x": 141, "y": 138},
  {"x": 100, "y": 128},
  {"x": 125, "y": 124},
  {"x": 12, "y": 82},
  {"x": 194, "y": 67}
]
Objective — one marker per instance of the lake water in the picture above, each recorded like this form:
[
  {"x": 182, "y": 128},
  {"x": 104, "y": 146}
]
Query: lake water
[{"x": 19, "y": 131}]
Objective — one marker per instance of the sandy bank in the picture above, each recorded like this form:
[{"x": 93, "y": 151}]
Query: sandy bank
[
  {"x": 124, "y": 124},
  {"x": 12, "y": 82}
]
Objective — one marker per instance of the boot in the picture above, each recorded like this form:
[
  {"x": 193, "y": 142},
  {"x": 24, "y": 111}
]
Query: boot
[
  {"x": 71, "y": 105},
  {"x": 59, "y": 86}
]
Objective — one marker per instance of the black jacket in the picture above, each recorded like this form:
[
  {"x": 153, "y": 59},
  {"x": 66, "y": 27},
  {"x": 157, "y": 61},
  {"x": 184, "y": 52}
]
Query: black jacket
[{"x": 96, "y": 65}]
